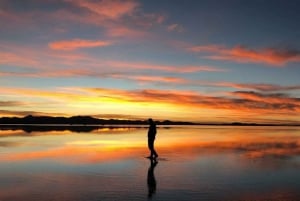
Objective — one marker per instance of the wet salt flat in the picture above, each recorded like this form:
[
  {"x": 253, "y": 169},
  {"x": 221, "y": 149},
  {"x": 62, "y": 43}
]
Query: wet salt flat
[{"x": 195, "y": 163}]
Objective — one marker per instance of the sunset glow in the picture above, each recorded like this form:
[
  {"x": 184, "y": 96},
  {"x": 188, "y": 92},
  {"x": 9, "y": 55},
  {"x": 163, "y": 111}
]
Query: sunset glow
[{"x": 136, "y": 59}]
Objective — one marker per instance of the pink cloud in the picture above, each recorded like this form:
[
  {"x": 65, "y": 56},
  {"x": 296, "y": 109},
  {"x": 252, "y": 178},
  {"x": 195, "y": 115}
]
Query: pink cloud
[
  {"x": 46, "y": 62},
  {"x": 16, "y": 59},
  {"x": 78, "y": 43},
  {"x": 270, "y": 56},
  {"x": 110, "y": 9},
  {"x": 166, "y": 68},
  {"x": 123, "y": 31},
  {"x": 146, "y": 79},
  {"x": 116, "y": 17}
]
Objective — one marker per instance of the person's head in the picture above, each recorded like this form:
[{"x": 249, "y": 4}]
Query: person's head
[{"x": 150, "y": 120}]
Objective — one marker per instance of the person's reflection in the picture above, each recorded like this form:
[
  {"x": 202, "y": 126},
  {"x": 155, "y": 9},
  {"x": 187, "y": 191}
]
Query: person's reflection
[{"x": 151, "y": 178}]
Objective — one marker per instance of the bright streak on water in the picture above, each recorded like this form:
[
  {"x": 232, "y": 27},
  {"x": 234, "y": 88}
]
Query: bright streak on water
[{"x": 195, "y": 163}]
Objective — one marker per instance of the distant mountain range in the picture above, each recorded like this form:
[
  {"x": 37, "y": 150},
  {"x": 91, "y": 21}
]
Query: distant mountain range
[
  {"x": 80, "y": 120},
  {"x": 88, "y": 120}
]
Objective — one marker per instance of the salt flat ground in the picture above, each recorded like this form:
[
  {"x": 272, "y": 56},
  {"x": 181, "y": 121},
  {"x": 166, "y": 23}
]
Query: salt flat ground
[{"x": 195, "y": 163}]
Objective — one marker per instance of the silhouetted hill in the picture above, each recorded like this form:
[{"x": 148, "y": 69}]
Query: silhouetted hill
[
  {"x": 80, "y": 120},
  {"x": 88, "y": 120}
]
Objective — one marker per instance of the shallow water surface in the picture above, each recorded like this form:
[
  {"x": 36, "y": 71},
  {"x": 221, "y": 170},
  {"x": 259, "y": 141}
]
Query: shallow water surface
[{"x": 195, "y": 163}]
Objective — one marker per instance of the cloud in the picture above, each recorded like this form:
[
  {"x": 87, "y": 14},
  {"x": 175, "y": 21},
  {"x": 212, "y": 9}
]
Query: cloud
[
  {"x": 237, "y": 105},
  {"x": 11, "y": 103},
  {"x": 270, "y": 56},
  {"x": 27, "y": 61},
  {"x": 123, "y": 31},
  {"x": 247, "y": 101},
  {"x": 116, "y": 18},
  {"x": 78, "y": 43},
  {"x": 16, "y": 59},
  {"x": 166, "y": 68},
  {"x": 264, "y": 87},
  {"x": 25, "y": 113},
  {"x": 33, "y": 59},
  {"x": 109, "y": 9},
  {"x": 276, "y": 101},
  {"x": 175, "y": 27},
  {"x": 147, "y": 78}
]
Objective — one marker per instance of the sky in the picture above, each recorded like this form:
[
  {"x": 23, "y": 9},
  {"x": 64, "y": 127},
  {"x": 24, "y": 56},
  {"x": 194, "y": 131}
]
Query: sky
[{"x": 200, "y": 61}]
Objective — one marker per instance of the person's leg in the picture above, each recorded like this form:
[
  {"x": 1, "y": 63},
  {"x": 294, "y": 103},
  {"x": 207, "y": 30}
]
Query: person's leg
[
  {"x": 150, "y": 146},
  {"x": 153, "y": 150}
]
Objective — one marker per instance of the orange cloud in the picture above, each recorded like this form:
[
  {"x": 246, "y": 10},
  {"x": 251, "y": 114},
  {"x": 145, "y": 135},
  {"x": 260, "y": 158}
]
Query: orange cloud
[
  {"x": 249, "y": 101},
  {"x": 110, "y": 9},
  {"x": 11, "y": 103},
  {"x": 271, "y": 56},
  {"x": 11, "y": 113},
  {"x": 78, "y": 43},
  {"x": 239, "y": 104}
]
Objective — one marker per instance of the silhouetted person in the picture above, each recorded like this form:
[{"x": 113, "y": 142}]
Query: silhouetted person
[
  {"x": 151, "y": 138},
  {"x": 151, "y": 178}
]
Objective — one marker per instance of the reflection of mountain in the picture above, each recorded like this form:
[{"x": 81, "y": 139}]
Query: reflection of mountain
[
  {"x": 70, "y": 128},
  {"x": 47, "y": 128}
]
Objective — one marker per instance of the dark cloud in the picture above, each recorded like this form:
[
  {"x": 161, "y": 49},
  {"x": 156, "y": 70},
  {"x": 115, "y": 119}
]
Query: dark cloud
[
  {"x": 243, "y": 54},
  {"x": 263, "y": 87}
]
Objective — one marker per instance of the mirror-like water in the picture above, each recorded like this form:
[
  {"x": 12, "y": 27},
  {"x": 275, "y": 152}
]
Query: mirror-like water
[{"x": 195, "y": 163}]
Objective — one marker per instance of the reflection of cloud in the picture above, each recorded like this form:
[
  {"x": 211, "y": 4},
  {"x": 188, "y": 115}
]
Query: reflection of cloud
[
  {"x": 99, "y": 151},
  {"x": 278, "y": 149},
  {"x": 88, "y": 153},
  {"x": 77, "y": 43},
  {"x": 272, "y": 56},
  {"x": 279, "y": 194},
  {"x": 255, "y": 148},
  {"x": 95, "y": 151},
  {"x": 10, "y": 144}
]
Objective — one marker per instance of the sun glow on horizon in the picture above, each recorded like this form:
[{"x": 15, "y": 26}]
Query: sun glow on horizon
[{"x": 135, "y": 59}]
